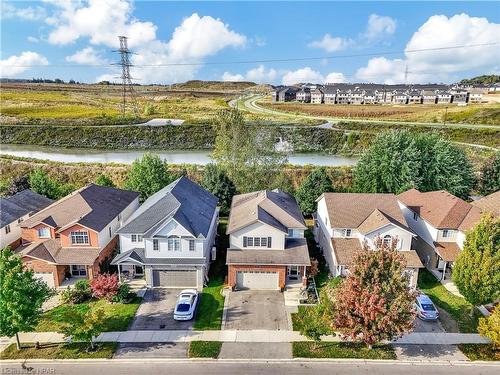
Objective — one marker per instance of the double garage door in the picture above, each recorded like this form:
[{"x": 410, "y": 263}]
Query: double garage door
[
  {"x": 175, "y": 278},
  {"x": 47, "y": 277},
  {"x": 257, "y": 280}
]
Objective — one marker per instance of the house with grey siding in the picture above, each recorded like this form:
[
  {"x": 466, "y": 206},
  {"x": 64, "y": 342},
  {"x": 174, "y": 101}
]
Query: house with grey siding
[
  {"x": 288, "y": 94},
  {"x": 316, "y": 96},
  {"x": 304, "y": 95},
  {"x": 329, "y": 94},
  {"x": 169, "y": 240}
]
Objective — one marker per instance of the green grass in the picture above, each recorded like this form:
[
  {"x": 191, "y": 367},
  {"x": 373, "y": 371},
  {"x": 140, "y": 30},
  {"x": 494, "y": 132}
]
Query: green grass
[
  {"x": 456, "y": 306},
  {"x": 307, "y": 349},
  {"x": 204, "y": 349},
  {"x": 59, "y": 351},
  {"x": 480, "y": 352},
  {"x": 209, "y": 311},
  {"x": 118, "y": 315}
]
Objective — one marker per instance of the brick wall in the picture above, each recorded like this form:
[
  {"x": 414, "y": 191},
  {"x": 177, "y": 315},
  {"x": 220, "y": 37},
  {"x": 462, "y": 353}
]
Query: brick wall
[
  {"x": 58, "y": 271},
  {"x": 107, "y": 252},
  {"x": 232, "y": 270},
  {"x": 66, "y": 236}
]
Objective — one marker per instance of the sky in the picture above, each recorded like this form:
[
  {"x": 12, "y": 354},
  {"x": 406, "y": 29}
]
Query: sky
[{"x": 264, "y": 42}]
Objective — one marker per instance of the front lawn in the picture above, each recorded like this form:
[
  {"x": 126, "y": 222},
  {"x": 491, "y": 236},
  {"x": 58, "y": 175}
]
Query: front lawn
[
  {"x": 204, "y": 349},
  {"x": 480, "y": 352},
  {"x": 307, "y": 349},
  {"x": 210, "y": 307},
  {"x": 118, "y": 315},
  {"x": 456, "y": 306},
  {"x": 76, "y": 350}
]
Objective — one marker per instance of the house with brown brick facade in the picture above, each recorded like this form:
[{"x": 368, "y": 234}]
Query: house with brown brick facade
[
  {"x": 73, "y": 236},
  {"x": 267, "y": 248},
  {"x": 348, "y": 223}
]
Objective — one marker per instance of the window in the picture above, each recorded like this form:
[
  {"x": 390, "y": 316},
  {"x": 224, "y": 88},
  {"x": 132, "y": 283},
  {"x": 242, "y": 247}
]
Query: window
[
  {"x": 156, "y": 245},
  {"x": 257, "y": 242},
  {"x": 290, "y": 233},
  {"x": 415, "y": 216},
  {"x": 136, "y": 238},
  {"x": 387, "y": 241},
  {"x": 78, "y": 270},
  {"x": 263, "y": 242},
  {"x": 7, "y": 229},
  {"x": 446, "y": 233},
  {"x": 79, "y": 238},
  {"x": 43, "y": 232},
  {"x": 346, "y": 232},
  {"x": 119, "y": 217},
  {"x": 109, "y": 229},
  {"x": 174, "y": 244},
  {"x": 20, "y": 220},
  {"x": 191, "y": 245}
]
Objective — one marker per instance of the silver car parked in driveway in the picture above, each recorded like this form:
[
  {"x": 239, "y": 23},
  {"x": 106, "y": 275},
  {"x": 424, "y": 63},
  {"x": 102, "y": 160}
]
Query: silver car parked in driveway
[
  {"x": 425, "y": 308},
  {"x": 186, "y": 304}
]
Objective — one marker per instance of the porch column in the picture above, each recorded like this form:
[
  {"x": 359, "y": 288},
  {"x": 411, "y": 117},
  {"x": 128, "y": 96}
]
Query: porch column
[
  {"x": 444, "y": 271},
  {"x": 119, "y": 273}
]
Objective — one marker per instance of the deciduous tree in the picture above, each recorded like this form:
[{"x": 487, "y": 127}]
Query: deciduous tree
[
  {"x": 84, "y": 325},
  {"x": 490, "y": 327},
  {"x": 21, "y": 296},
  {"x": 42, "y": 184},
  {"x": 315, "y": 184},
  {"x": 216, "y": 181},
  {"x": 476, "y": 272},
  {"x": 104, "y": 180},
  {"x": 489, "y": 180},
  {"x": 374, "y": 302}
]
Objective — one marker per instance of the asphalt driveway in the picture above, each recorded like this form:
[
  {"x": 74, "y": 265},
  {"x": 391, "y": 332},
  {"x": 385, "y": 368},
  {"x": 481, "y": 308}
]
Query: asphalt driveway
[
  {"x": 157, "y": 311},
  {"x": 256, "y": 309}
]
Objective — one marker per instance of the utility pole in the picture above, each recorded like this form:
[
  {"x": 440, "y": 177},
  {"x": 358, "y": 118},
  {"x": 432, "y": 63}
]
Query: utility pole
[{"x": 125, "y": 76}]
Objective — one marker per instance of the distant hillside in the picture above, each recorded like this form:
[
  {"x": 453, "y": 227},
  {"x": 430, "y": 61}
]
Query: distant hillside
[
  {"x": 481, "y": 80},
  {"x": 213, "y": 85}
]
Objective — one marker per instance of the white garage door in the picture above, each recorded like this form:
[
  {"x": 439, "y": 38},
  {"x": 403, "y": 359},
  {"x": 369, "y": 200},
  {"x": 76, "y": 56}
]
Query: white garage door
[
  {"x": 257, "y": 280},
  {"x": 175, "y": 278},
  {"x": 47, "y": 277}
]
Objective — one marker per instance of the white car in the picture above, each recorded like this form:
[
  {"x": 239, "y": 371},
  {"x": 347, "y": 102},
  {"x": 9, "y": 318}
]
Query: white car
[
  {"x": 425, "y": 308},
  {"x": 185, "y": 306}
]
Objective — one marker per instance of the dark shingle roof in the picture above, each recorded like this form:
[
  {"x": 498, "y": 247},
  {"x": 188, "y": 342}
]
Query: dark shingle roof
[
  {"x": 187, "y": 202},
  {"x": 138, "y": 255},
  {"x": 20, "y": 204}
]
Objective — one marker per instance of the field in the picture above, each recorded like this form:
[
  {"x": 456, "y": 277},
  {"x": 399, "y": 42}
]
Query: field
[{"x": 472, "y": 114}]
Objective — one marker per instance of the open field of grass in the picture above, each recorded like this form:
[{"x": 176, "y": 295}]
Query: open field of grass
[
  {"x": 307, "y": 349},
  {"x": 471, "y": 114},
  {"x": 59, "y": 351}
]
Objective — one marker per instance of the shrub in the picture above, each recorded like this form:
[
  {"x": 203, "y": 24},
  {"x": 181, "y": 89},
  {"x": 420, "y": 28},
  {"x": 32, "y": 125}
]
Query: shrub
[
  {"x": 105, "y": 286},
  {"x": 490, "y": 327},
  {"x": 123, "y": 295},
  {"x": 79, "y": 294}
]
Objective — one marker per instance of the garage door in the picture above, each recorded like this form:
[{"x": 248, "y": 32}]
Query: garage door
[
  {"x": 47, "y": 277},
  {"x": 257, "y": 280},
  {"x": 175, "y": 278}
]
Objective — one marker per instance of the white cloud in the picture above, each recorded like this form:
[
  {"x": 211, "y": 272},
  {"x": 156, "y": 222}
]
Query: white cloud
[
  {"x": 29, "y": 13},
  {"x": 302, "y": 75},
  {"x": 230, "y": 77},
  {"x": 32, "y": 39},
  {"x": 331, "y": 44},
  {"x": 439, "y": 65},
  {"x": 259, "y": 75},
  {"x": 379, "y": 27},
  {"x": 15, "y": 65},
  {"x": 87, "y": 56},
  {"x": 335, "y": 77}
]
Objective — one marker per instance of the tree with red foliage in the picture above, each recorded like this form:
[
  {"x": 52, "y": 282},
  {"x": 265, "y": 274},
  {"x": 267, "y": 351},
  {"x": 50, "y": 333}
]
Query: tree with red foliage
[
  {"x": 105, "y": 286},
  {"x": 374, "y": 302}
]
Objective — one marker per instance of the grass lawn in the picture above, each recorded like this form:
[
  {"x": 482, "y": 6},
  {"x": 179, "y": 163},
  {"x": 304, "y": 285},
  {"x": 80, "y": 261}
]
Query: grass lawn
[
  {"x": 480, "y": 352},
  {"x": 307, "y": 349},
  {"x": 210, "y": 307},
  {"x": 119, "y": 315},
  {"x": 204, "y": 349},
  {"x": 456, "y": 306},
  {"x": 75, "y": 350}
]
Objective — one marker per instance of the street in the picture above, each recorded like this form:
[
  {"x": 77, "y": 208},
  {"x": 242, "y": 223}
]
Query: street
[{"x": 124, "y": 367}]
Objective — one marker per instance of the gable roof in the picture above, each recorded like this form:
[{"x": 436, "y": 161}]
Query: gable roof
[
  {"x": 183, "y": 200},
  {"x": 441, "y": 209},
  {"x": 489, "y": 204},
  {"x": 21, "y": 204},
  {"x": 51, "y": 251},
  {"x": 93, "y": 206},
  {"x": 275, "y": 208},
  {"x": 364, "y": 211}
]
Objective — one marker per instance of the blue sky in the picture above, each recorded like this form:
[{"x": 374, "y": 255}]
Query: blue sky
[{"x": 66, "y": 40}]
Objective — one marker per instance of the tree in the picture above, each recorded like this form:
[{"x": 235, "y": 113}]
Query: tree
[
  {"x": 18, "y": 184},
  {"x": 42, "y": 184},
  {"x": 104, "y": 180},
  {"x": 490, "y": 327},
  {"x": 105, "y": 286},
  {"x": 216, "y": 181},
  {"x": 489, "y": 180},
  {"x": 148, "y": 175},
  {"x": 21, "y": 296},
  {"x": 84, "y": 325},
  {"x": 317, "y": 183},
  {"x": 282, "y": 182},
  {"x": 374, "y": 302},
  {"x": 399, "y": 160},
  {"x": 476, "y": 272},
  {"x": 246, "y": 152}
]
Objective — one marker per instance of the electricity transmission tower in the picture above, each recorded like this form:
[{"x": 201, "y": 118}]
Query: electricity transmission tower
[{"x": 127, "y": 87}]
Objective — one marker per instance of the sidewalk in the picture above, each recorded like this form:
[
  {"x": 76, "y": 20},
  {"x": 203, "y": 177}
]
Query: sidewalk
[{"x": 244, "y": 336}]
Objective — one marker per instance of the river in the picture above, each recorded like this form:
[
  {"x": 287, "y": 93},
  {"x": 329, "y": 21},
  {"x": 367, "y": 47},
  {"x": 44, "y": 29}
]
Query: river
[{"x": 85, "y": 155}]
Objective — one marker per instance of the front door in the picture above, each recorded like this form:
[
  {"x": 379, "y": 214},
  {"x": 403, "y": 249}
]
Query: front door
[{"x": 293, "y": 272}]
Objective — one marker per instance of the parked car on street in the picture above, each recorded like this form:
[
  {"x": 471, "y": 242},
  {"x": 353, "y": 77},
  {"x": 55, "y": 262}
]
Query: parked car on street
[
  {"x": 425, "y": 308},
  {"x": 186, "y": 304}
]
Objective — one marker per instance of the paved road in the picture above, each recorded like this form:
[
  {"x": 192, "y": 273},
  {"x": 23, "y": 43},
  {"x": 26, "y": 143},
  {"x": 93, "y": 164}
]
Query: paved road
[{"x": 124, "y": 367}]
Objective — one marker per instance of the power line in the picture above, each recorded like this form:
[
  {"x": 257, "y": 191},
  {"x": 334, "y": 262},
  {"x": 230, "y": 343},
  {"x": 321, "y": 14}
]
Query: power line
[{"x": 240, "y": 62}]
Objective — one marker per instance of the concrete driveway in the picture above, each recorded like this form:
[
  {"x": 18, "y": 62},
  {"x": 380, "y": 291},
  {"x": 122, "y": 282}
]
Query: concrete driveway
[
  {"x": 427, "y": 326},
  {"x": 157, "y": 311},
  {"x": 256, "y": 309}
]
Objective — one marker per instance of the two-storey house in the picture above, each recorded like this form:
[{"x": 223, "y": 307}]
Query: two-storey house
[
  {"x": 75, "y": 235},
  {"x": 304, "y": 95},
  {"x": 317, "y": 96},
  {"x": 14, "y": 210},
  {"x": 169, "y": 240},
  {"x": 330, "y": 94},
  {"x": 440, "y": 220},
  {"x": 267, "y": 248},
  {"x": 347, "y": 223}
]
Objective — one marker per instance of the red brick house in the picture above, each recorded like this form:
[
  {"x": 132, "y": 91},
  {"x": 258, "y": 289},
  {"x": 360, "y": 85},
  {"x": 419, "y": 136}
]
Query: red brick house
[
  {"x": 267, "y": 248},
  {"x": 71, "y": 237}
]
